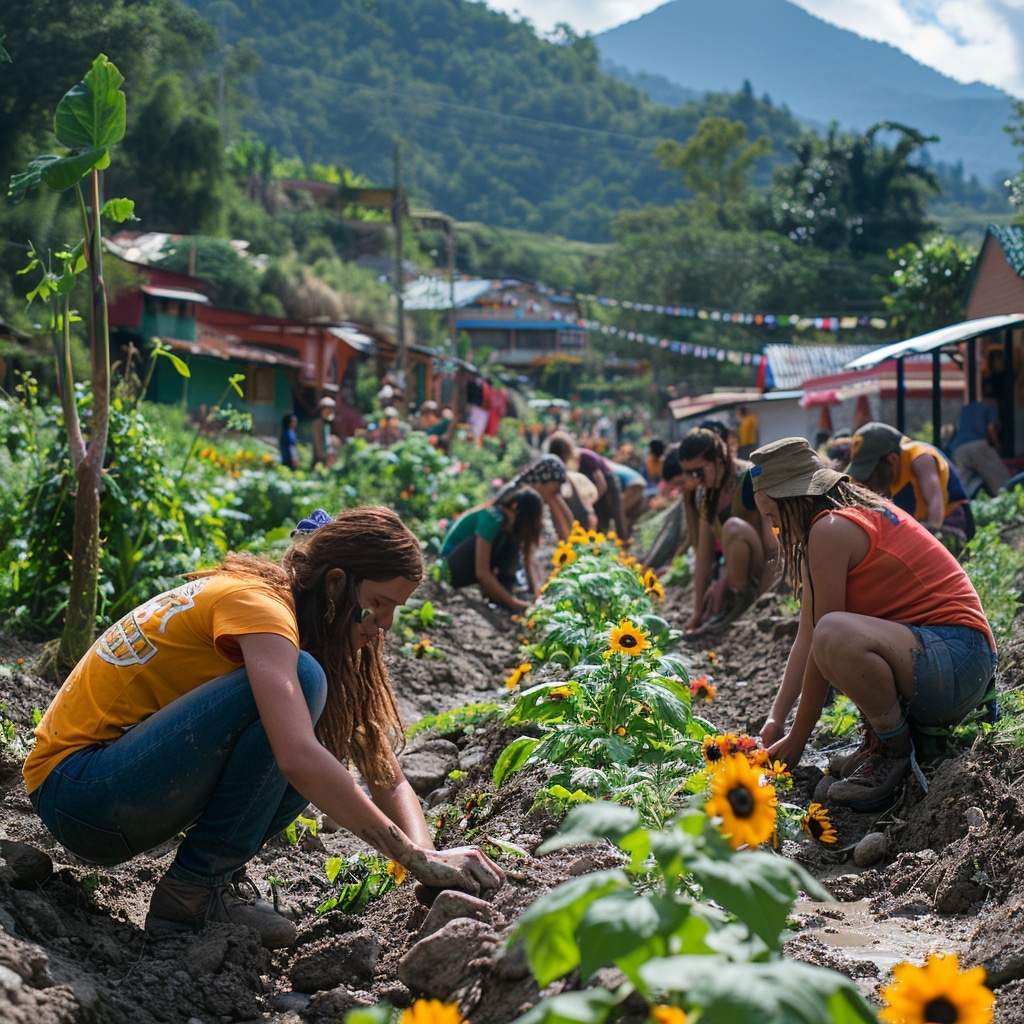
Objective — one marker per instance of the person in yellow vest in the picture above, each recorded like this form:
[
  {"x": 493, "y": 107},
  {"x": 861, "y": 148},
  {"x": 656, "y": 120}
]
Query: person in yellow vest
[
  {"x": 221, "y": 708},
  {"x": 746, "y": 432},
  {"x": 916, "y": 476}
]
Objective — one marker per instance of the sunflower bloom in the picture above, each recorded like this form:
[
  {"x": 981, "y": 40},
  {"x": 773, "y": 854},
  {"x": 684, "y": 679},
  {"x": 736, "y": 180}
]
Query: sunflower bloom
[
  {"x": 423, "y": 647},
  {"x": 743, "y": 802},
  {"x": 564, "y": 554},
  {"x": 652, "y": 585},
  {"x": 630, "y": 562},
  {"x": 577, "y": 535},
  {"x": 818, "y": 825},
  {"x": 397, "y": 872},
  {"x": 517, "y": 675},
  {"x": 715, "y": 748},
  {"x": 627, "y": 638},
  {"x": 701, "y": 689},
  {"x": 938, "y": 992},
  {"x": 432, "y": 1011},
  {"x": 595, "y": 537},
  {"x": 667, "y": 1015}
]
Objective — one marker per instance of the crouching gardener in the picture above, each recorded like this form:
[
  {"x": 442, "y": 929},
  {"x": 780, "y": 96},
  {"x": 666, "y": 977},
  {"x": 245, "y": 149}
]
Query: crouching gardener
[
  {"x": 887, "y": 616},
  {"x": 222, "y": 707}
]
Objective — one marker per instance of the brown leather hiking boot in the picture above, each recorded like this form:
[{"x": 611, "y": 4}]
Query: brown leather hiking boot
[
  {"x": 876, "y": 782},
  {"x": 841, "y": 766},
  {"x": 178, "y": 906}
]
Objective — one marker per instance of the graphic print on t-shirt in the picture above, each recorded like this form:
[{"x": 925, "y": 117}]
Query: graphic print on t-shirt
[{"x": 125, "y": 643}]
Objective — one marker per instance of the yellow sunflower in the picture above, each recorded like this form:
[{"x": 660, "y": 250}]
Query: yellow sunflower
[
  {"x": 627, "y": 638},
  {"x": 652, "y": 585},
  {"x": 630, "y": 562},
  {"x": 397, "y": 872},
  {"x": 564, "y": 554},
  {"x": 667, "y": 1015},
  {"x": 432, "y": 1011},
  {"x": 715, "y": 748},
  {"x": 743, "y": 802},
  {"x": 423, "y": 647},
  {"x": 595, "y": 537},
  {"x": 517, "y": 675},
  {"x": 818, "y": 825},
  {"x": 938, "y": 992}
]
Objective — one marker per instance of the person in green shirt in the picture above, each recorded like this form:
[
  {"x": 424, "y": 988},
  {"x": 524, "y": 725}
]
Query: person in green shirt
[{"x": 487, "y": 544}]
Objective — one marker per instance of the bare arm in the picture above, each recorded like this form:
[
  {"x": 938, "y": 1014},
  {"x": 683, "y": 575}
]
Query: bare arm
[
  {"x": 271, "y": 664},
  {"x": 703, "y": 555},
  {"x": 401, "y": 804},
  {"x": 927, "y": 472},
  {"x": 561, "y": 516},
  {"x": 489, "y": 583},
  {"x": 834, "y": 546}
]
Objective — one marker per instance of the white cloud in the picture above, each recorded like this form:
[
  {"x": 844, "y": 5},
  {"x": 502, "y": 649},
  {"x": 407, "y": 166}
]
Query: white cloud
[{"x": 969, "y": 40}]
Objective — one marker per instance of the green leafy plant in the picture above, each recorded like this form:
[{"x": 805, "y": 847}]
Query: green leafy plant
[
  {"x": 991, "y": 563},
  {"x": 690, "y": 923},
  {"x": 358, "y": 880},
  {"x": 459, "y": 721},
  {"x": 89, "y": 121}
]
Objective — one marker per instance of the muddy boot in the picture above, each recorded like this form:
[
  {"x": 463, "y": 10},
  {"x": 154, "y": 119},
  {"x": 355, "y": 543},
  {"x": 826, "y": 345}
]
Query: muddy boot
[
  {"x": 178, "y": 906},
  {"x": 842, "y": 766},
  {"x": 877, "y": 781}
]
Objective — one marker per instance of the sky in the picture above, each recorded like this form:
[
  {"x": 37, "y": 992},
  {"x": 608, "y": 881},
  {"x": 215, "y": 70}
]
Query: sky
[{"x": 969, "y": 40}]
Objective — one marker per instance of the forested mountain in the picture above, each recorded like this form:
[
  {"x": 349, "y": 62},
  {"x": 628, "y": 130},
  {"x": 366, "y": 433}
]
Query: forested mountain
[
  {"x": 821, "y": 72},
  {"x": 495, "y": 125}
]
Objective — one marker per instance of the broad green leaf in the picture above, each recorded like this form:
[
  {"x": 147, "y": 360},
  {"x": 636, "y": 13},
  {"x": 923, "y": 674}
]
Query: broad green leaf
[
  {"x": 332, "y": 866},
  {"x": 548, "y": 927},
  {"x": 92, "y": 114},
  {"x": 60, "y": 175},
  {"x": 758, "y": 887},
  {"x": 119, "y": 210},
  {"x": 176, "y": 361},
  {"x": 591, "y": 824},
  {"x": 591, "y": 1006},
  {"x": 31, "y": 178},
  {"x": 512, "y": 758},
  {"x": 780, "y": 992},
  {"x": 690, "y": 936},
  {"x": 427, "y": 613},
  {"x": 614, "y": 927},
  {"x": 667, "y": 707}
]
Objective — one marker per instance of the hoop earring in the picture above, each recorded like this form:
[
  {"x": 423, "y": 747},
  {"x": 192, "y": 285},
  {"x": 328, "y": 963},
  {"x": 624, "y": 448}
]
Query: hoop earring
[{"x": 329, "y": 614}]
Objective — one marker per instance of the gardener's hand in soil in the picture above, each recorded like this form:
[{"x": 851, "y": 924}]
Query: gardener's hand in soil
[
  {"x": 788, "y": 750},
  {"x": 771, "y": 732},
  {"x": 466, "y": 868}
]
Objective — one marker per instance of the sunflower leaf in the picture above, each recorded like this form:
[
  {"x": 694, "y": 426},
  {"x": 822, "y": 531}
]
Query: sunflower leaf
[{"x": 778, "y": 992}]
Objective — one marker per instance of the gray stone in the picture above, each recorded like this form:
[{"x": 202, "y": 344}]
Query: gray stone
[
  {"x": 426, "y": 770},
  {"x": 30, "y": 866},
  {"x": 440, "y": 964},
  {"x": 870, "y": 850},
  {"x": 346, "y": 960},
  {"x": 451, "y": 905}
]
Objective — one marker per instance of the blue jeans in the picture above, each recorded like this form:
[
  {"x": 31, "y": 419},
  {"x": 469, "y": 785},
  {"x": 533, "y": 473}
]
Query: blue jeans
[
  {"x": 952, "y": 672},
  {"x": 201, "y": 765}
]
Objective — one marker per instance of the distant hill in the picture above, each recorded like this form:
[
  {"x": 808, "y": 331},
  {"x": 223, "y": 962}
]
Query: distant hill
[
  {"x": 820, "y": 72},
  {"x": 495, "y": 125}
]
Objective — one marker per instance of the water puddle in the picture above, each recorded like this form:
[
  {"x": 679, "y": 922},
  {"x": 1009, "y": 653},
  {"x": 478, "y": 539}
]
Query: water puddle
[{"x": 854, "y": 933}]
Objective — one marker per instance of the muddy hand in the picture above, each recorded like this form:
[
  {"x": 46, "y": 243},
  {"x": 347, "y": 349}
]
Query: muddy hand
[{"x": 465, "y": 867}]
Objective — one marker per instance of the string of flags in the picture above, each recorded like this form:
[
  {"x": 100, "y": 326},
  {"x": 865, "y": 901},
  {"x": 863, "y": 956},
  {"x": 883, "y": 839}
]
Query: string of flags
[
  {"x": 684, "y": 348},
  {"x": 770, "y": 320}
]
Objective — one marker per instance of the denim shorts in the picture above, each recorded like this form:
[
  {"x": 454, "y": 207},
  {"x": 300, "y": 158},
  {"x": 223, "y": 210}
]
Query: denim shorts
[{"x": 952, "y": 672}]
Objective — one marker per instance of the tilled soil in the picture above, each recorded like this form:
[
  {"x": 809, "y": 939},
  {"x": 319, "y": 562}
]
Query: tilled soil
[{"x": 72, "y": 948}]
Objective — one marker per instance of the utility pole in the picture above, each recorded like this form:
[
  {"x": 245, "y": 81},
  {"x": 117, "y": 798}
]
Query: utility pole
[{"x": 396, "y": 219}]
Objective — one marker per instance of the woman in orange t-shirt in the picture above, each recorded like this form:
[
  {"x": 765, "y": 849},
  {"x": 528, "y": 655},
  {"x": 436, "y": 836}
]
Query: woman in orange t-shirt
[
  {"x": 888, "y": 617},
  {"x": 222, "y": 707}
]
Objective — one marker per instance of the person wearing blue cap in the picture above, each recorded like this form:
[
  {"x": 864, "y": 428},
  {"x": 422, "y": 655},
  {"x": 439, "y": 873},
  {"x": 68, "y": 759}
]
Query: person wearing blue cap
[{"x": 221, "y": 708}]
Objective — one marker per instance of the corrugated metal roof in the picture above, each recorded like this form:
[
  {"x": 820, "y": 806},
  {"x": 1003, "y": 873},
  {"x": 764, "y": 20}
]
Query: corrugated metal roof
[
  {"x": 790, "y": 365},
  {"x": 181, "y": 294},
  {"x": 933, "y": 340},
  {"x": 435, "y": 293},
  {"x": 1011, "y": 241},
  {"x": 354, "y": 339}
]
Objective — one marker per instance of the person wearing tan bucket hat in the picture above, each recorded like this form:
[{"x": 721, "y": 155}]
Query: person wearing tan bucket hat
[{"x": 888, "y": 617}]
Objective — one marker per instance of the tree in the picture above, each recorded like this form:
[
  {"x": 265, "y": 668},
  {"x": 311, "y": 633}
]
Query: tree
[
  {"x": 928, "y": 285},
  {"x": 716, "y": 164},
  {"x": 852, "y": 191},
  {"x": 90, "y": 119}
]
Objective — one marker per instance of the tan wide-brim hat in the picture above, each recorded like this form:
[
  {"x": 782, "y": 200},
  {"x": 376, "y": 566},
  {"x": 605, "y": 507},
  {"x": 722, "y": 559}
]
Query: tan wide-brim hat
[{"x": 790, "y": 468}]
